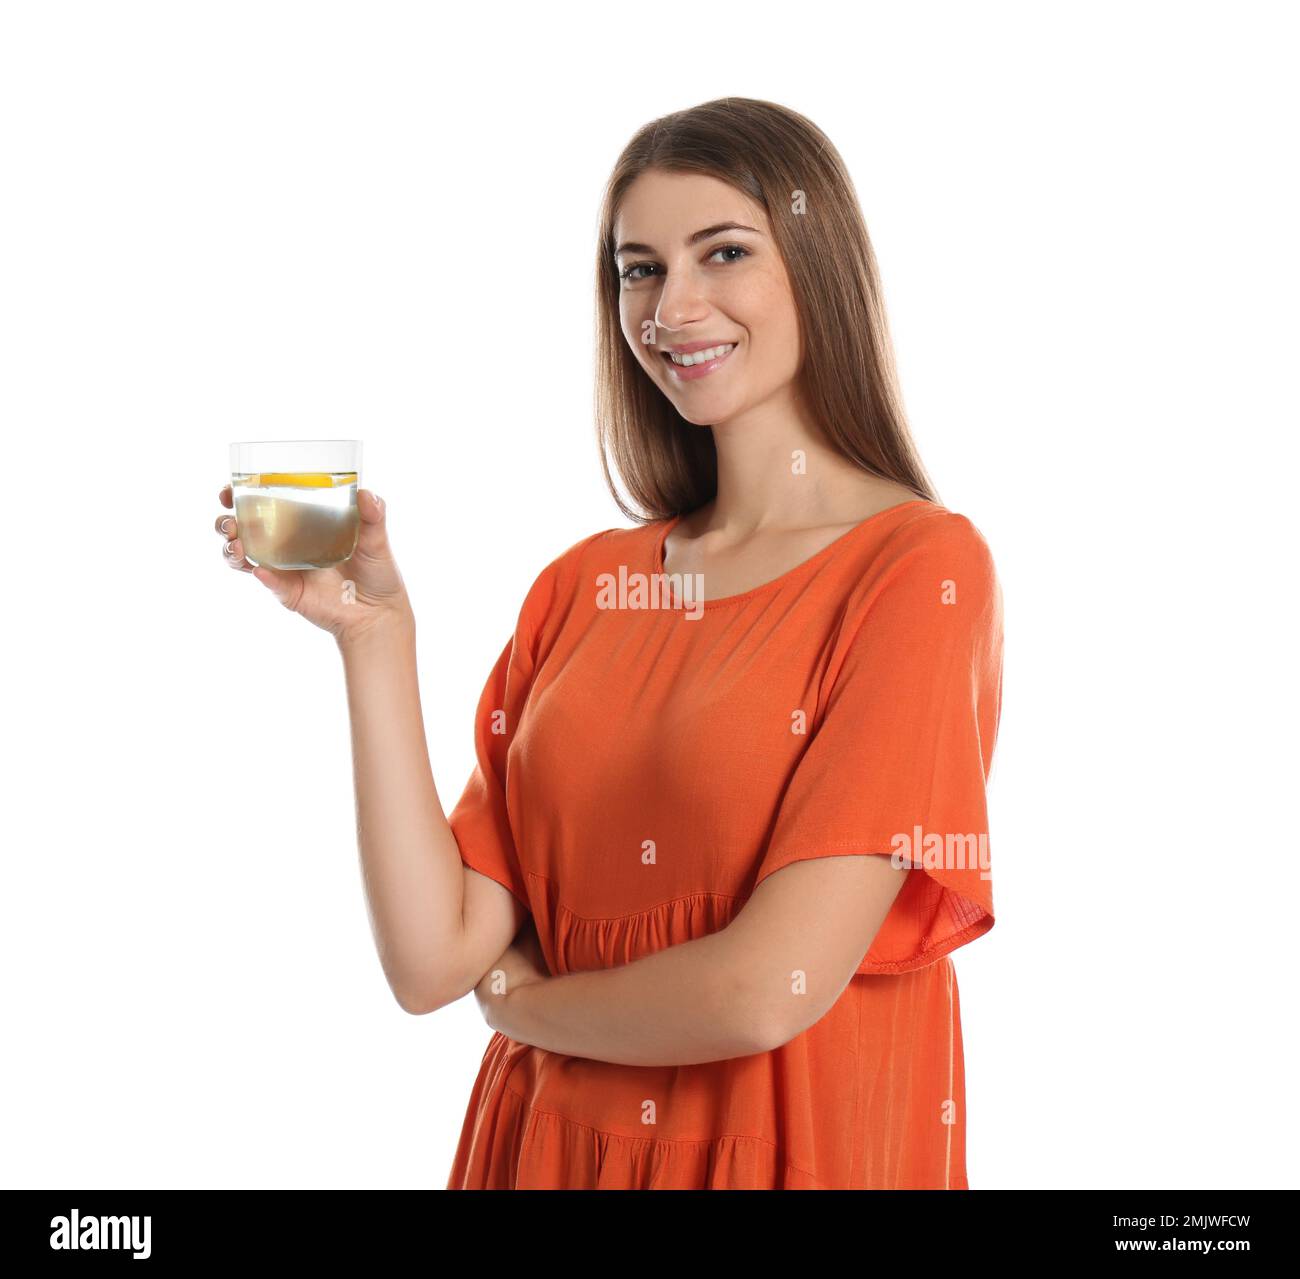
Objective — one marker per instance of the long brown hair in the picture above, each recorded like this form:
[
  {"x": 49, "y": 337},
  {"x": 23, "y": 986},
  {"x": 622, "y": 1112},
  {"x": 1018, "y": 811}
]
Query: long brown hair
[{"x": 775, "y": 157}]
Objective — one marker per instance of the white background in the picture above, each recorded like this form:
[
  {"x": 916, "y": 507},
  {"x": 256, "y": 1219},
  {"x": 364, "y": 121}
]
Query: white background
[{"x": 248, "y": 221}]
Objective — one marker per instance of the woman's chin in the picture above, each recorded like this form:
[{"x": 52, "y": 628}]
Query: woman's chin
[{"x": 698, "y": 412}]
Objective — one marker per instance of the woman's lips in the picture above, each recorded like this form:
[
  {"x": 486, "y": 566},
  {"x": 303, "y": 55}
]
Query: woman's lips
[{"x": 695, "y": 371}]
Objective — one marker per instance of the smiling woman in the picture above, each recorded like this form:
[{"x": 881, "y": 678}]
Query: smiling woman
[
  {"x": 753, "y": 241},
  {"x": 735, "y": 971}
]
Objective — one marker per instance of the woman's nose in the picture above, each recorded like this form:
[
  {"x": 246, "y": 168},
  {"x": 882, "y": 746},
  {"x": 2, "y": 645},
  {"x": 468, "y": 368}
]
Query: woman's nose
[{"x": 680, "y": 303}]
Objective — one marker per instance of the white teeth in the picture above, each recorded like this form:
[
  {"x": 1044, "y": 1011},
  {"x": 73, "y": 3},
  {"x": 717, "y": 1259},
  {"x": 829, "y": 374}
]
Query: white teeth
[{"x": 700, "y": 357}]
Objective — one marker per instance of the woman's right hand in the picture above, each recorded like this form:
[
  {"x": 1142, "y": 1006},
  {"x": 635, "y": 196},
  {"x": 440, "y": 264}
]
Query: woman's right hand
[{"x": 348, "y": 599}]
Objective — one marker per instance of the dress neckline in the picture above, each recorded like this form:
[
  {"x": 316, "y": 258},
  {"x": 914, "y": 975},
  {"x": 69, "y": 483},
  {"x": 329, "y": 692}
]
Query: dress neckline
[{"x": 803, "y": 566}]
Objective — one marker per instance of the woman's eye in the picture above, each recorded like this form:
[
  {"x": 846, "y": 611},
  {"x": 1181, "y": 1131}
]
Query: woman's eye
[
  {"x": 732, "y": 248},
  {"x": 629, "y": 273}
]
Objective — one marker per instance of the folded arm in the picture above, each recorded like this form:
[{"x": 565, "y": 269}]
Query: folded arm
[{"x": 775, "y": 970}]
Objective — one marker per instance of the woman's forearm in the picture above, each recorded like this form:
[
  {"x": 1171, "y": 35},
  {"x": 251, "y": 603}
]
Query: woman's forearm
[
  {"x": 411, "y": 865},
  {"x": 683, "y": 1005}
]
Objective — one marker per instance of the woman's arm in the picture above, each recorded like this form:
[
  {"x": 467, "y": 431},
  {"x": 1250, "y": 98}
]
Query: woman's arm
[
  {"x": 679, "y": 1006},
  {"x": 775, "y": 970},
  {"x": 437, "y": 924}
]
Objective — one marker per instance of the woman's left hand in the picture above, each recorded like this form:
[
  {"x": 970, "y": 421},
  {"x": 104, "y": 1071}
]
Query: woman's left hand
[{"x": 521, "y": 963}]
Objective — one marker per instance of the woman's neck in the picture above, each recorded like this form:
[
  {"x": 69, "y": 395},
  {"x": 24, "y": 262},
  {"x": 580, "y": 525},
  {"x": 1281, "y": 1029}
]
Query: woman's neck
[{"x": 777, "y": 472}]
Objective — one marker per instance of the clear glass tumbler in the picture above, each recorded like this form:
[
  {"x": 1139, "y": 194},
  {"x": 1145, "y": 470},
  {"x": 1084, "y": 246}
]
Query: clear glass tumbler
[{"x": 296, "y": 501}]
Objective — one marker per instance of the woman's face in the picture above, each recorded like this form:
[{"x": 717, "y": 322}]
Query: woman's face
[{"x": 683, "y": 288}]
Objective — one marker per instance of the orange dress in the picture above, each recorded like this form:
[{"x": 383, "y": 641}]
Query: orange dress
[{"x": 849, "y": 706}]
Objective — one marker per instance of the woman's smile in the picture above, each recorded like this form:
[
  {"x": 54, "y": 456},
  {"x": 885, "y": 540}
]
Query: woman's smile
[{"x": 696, "y": 359}]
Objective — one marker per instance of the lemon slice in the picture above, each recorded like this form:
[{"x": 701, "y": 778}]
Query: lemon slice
[{"x": 301, "y": 479}]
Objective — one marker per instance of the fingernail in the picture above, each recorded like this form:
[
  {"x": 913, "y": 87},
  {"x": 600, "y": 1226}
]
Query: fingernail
[{"x": 227, "y": 524}]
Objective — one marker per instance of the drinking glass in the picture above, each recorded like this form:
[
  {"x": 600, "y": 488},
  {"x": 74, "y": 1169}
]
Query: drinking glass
[{"x": 296, "y": 501}]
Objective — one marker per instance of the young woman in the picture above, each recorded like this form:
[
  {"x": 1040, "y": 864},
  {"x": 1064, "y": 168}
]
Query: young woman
[{"x": 729, "y": 800}]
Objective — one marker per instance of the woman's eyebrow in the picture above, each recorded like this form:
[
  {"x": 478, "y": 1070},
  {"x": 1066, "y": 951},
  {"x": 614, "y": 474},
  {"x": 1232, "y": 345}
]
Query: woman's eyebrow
[{"x": 630, "y": 246}]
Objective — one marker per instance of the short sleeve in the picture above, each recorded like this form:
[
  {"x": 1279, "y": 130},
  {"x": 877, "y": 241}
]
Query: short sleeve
[
  {"x": 480, "y": 821},
  {"x": 899, "y": 758}
]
